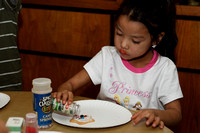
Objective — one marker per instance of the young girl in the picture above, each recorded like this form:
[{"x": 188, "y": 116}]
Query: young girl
[{"x": 133, "y": 68}]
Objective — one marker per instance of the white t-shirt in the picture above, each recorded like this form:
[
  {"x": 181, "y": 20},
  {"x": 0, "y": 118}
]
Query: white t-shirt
[{"x": 134, "y": 88}]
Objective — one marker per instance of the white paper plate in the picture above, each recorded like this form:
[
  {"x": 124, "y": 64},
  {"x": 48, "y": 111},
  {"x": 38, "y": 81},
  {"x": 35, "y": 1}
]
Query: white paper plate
[
  {"x": 4, "y": 99},
  {"x": 106, "y": 114}
]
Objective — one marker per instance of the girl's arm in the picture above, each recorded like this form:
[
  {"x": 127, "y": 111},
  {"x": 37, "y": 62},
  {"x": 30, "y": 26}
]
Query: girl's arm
[
  {"x": 170, "y": 116},
  {"x": 65, "y": 91}
]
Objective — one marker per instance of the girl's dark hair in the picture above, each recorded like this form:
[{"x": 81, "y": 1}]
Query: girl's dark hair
[{"x": 158, "y": 16}]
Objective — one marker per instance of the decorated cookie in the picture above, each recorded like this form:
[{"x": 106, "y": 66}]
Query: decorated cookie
[{"x": 82, "y": 119}]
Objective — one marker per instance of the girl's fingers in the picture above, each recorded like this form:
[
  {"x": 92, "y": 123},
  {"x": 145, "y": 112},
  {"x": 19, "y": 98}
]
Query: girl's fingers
[
  {"x": 58, "y": 96},
  {"x": 135, "y": 114},
  {"x": 54, "y": 94},
  {"x": 150, "y": 118},
  {"x": 63, "y": 95},
  {"x": 162, "y": 124},
  {"x": 139, "y": 116},
  {"x": 70, "y": 98},
  {"x": 64, "y": 98},
  {"x": 156, "y": 122}
]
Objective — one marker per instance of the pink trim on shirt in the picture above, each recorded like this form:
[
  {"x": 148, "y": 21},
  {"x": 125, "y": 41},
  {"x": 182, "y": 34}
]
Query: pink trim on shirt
[{"x": 144, "y": 69}]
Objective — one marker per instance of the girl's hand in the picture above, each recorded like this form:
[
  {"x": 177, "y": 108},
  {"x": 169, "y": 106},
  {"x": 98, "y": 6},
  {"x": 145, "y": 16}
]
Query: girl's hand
[
  {"x": 65, "y": 96},
  {"x": 65, "y": 91},
  {"x": 151, "y": 118}
]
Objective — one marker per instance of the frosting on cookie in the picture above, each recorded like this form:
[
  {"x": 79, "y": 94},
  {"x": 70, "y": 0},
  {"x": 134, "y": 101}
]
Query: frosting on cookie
[{"x": 82, "y": 119}]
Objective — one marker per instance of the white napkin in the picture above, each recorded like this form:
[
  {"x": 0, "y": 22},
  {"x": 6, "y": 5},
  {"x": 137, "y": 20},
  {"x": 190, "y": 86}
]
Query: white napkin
[{"x": 4, "y": 99}]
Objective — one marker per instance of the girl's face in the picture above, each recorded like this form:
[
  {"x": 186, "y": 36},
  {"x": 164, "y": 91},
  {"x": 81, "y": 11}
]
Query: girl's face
[{"x": 132, "y": 39}]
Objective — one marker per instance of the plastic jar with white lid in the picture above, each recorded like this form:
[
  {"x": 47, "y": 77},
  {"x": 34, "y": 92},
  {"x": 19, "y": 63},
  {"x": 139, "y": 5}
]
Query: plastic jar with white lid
[
  {"x": 42, "y": 101},
  {"x": 72, "y": 109}
]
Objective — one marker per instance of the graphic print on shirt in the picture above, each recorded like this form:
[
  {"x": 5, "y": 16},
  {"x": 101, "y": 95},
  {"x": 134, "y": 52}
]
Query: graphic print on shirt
[
  {"x": 123, "y": 87},
  {"x": 137, "y": 106},
  {"x": 126, "y": 102},
  {"x": 119, "y": 87},
  {"x": 117, "y": 100},
  {"x": 111, "y": 75}
]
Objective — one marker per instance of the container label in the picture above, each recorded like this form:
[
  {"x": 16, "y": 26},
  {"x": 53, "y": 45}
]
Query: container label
[{"x": 42, "y": 106}]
